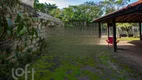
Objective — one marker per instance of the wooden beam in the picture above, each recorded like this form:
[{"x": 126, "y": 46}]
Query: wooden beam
[
  {"x": 140, "y": 25},
  {"x": 100, "y": 31},
  {"x": 114, "y": 35},
  {"x": 122, "y": 21},
  {"x": 128, "y": 21}
]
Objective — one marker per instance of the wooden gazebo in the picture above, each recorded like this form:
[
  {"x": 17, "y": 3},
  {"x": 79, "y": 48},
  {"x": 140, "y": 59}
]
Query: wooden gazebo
[{"x": 129, "y": 14}]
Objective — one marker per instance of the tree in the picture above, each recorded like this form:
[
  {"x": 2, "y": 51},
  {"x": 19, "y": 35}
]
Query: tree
[
  {"x": 125, "y": 27},
  {"x": 56, "y": 13},
  {"x": 88, "y": 10},
  {"x": 49, "y": 7},
  {"x": 112, "y": 5},
  {"x": 84, "y": 12},
  {"x": 91, "y": 10},
  {"x": 39, "y": 6},
  {"x": 44, "y": 7}
]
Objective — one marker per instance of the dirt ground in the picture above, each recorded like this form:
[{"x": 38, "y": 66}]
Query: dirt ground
[{"x": 130, "y": 52}]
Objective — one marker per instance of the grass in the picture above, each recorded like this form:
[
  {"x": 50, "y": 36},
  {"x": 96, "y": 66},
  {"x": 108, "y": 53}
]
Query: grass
[
  {"x": 78, "y": 58},
  {"x": 128, "y": 39}
]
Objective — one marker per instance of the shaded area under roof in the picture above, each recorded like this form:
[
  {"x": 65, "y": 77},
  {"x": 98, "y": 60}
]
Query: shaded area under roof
[{"x": 130, "y": 13}]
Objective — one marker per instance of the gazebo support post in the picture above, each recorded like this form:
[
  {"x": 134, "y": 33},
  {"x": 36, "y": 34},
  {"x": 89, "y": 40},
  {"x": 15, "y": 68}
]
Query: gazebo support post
[
  {"x": 100, "y": 30},
  {"x": 114, "y": 35},
  {"x": 140, "y": 30}
]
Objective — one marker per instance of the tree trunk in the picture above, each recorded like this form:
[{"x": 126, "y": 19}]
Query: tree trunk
[{"x": 127, "y": 32}]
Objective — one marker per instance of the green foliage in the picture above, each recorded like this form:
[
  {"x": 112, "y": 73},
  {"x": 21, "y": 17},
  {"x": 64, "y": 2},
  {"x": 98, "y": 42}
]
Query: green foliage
[
  {"x": 83, "y": 12},
  {"x": 44, "y": 7},
  {"x": 56, "y": 13},
  {"x": 125, "y": 27},
  {"x": 68, "y": 59},
  {"x": 87, "y": 11},
  {"x": 19, "y": 38},
  {"x": 112, "y": 5}
]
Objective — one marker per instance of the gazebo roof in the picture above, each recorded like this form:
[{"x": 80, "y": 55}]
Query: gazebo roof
[{"x": 130, "y": 13}]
